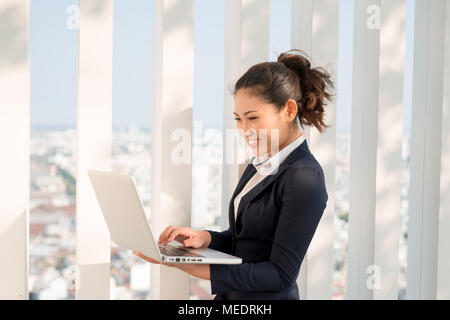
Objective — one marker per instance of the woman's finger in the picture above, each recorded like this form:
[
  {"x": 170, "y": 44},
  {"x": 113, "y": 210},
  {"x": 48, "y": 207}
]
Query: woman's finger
[
  {"x": 165, "y": 232},
  {"x": 189, "y": 243},
  {"x": 175, "y": 232},
  {"x": 140, "y": 255},
  {"x": 180, "y": 238}
]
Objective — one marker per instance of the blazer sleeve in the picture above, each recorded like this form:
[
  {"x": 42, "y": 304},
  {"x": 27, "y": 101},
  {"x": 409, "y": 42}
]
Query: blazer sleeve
[
  {"x": 303, "y": 201},
  {"x": 220, "y": 241}
]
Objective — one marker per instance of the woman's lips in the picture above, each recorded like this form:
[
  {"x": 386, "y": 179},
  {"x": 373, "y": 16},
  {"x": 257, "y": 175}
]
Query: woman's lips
[{"x": 252, "y": 143}]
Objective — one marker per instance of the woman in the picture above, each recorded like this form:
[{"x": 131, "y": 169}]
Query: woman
[{"x": 281, "y": 196}]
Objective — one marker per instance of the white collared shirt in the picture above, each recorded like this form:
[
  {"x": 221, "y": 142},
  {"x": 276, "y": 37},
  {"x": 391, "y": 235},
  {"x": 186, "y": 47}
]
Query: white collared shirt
[{"x": 266, "y": 166}]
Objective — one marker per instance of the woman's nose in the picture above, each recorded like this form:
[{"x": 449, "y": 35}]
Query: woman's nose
[{"x": 248, "y": 130}]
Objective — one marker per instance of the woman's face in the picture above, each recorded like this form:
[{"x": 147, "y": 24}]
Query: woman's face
[{"x": 262, "y": 124}]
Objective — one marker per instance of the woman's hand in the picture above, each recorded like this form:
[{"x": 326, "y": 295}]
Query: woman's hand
[
  {"x": 187, "y": 236},
  {"x": 140, "y": 255},
  {"x": 197, "y": 270}
]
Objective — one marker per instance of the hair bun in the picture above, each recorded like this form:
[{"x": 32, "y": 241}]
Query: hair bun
[
  {"x": 299, "y": 63},
  {"x": 314, "y": 84}
]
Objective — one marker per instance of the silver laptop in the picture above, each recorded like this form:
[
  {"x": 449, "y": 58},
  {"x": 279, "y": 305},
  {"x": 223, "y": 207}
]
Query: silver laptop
[{"x": 129, "y": 227}]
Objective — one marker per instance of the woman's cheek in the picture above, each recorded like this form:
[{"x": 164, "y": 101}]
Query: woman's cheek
[{"x": 263, "y": 145}]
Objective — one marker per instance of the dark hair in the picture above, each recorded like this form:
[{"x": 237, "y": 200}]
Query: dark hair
[{"x": 291, "y": 77}]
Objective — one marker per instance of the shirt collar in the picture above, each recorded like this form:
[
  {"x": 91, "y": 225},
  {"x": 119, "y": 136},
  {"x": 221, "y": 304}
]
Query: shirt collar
[{"x": 266, "y": 165}]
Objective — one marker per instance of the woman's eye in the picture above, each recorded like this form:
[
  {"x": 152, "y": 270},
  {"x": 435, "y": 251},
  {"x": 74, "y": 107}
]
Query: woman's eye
[{"x": 252, "y": 118}]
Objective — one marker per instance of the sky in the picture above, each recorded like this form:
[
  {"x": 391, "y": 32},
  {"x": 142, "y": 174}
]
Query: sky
[{"x": 53, "y": 61}]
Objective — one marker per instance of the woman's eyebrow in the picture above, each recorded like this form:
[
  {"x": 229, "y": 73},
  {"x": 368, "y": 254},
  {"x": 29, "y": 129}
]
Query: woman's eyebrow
[{"x": 245, "y": 112}]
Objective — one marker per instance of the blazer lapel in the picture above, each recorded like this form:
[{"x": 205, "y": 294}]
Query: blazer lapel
[
  {"x": 294, "y": 155},
  {"x": 246, "y": 176}
]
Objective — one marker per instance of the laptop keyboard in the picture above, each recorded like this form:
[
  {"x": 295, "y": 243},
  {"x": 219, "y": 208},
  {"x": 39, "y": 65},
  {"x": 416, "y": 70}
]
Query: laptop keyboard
[{"x": 176, "y": 252}]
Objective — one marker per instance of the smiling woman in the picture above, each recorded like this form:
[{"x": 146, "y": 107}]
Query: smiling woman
[{"x": 281, "y": 196}]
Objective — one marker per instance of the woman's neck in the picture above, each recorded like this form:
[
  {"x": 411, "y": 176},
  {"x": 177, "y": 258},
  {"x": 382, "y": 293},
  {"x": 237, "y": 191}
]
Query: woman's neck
[{"x": 291, "y": 139}]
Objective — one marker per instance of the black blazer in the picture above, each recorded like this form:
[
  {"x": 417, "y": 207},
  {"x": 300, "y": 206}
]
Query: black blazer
[{"x": 275, "y": 224}]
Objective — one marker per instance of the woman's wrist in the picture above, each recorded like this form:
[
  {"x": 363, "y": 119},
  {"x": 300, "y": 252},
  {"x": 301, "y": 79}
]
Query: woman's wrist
[{"x": 206, "y": 237}]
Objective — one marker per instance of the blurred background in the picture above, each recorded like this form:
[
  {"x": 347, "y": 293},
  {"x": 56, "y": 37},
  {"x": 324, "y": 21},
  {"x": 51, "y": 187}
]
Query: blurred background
[{"x": 53, "y": 135}]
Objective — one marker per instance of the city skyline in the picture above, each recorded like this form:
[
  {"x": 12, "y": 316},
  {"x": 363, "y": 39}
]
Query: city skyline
[{"x": 54, "y": 67}]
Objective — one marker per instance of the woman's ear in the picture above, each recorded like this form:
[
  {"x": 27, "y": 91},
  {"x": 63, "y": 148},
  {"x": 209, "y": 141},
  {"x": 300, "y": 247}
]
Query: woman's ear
[{"x": 290, "y": 110}]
